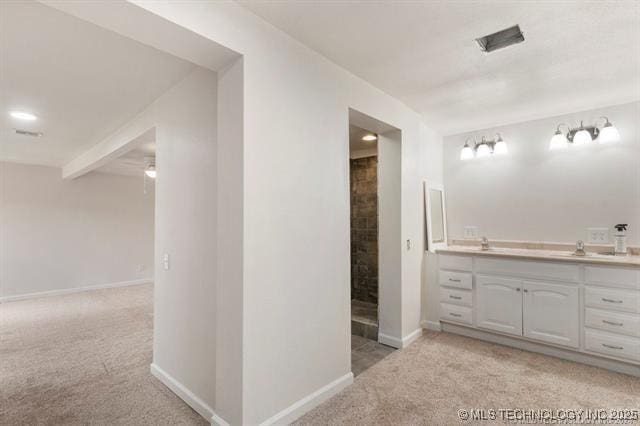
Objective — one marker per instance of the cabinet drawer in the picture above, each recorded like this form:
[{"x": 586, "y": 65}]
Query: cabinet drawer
[
  {"x": 617, "y": 300},
  {"x": 461, "y": 314},
  {"x": 456, "y": 279},
  {"x": 529, "y": 269},
  {"x": 456, "y": 297},
  {"x": 457, "y": 263},
  {"x": 613, "y": 277},
  {"x": 616, "y": 322},
  {"x": 613, "y": 345}
]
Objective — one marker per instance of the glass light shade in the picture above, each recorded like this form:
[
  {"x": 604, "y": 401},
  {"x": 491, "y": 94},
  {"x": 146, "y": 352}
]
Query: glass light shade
[
  {"x": 500, "y": 148},
  {"x": 151, "y": 172},
  {"x": 466, "y": 153},
  {"x": 582, "y": 137},
  {"x": 558, "y": 141},
  {"x": 483, "y": 150},
  {"x": 609, "y": 134}
]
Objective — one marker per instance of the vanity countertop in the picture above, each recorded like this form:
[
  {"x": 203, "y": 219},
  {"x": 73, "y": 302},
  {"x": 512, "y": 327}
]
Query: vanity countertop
[{"x": 529, "y": 254}]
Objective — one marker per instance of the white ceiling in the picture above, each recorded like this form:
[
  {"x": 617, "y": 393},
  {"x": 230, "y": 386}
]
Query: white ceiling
[
  {"x": 577, "y": 54},
  {"x": 83, "y": 82},
  {"x": 355, "y": 139}
]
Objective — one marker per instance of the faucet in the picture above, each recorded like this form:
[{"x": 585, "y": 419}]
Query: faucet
[
  {"x": 580, "y": 249},
  {"x": 484, "y": 243}
]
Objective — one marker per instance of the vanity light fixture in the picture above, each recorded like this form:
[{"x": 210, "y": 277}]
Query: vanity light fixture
[
  {"x": 609, "y": 133},
  {"x": 369, "y": 138},
  {"x": 583, "y": 135},
  {"x": 485, "y": 148}
]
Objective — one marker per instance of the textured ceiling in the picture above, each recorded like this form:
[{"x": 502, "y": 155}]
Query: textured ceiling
[{"x": 577, "y": 54}]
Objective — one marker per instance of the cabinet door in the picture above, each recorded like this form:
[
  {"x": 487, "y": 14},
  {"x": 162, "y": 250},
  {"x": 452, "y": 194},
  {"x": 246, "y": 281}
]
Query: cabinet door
[
  {"x": 499, "y": 304},
  {"x": 551, "y": 313}
]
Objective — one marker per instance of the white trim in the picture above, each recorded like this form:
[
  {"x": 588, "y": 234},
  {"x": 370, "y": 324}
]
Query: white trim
[
  {"x": 567, "y": 354},
  {"x": 385, "y": 339},
  {"x": 431, "y": 325},
  {"x": 411, "y": 337},
  {"x": 216, "y": 420},
  {"x": 394, "y": 342},
  {"x": 181, "y": 391},
  {"x": 73, "y": 290},
  {"x": 310, "y": 401}
]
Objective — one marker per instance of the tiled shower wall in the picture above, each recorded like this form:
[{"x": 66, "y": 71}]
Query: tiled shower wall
[{"x": 364, "y": 229}]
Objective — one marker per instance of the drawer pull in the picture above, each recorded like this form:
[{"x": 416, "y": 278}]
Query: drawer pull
[
  {"x": 618, "y": 324},
  {"x": 612, "y": 347},
  {"x": 454, "y": 281},
  {"x": 455, "y": 315},
  {"x": 611, "y": 300},
  {"x": 455, "y": 297}
]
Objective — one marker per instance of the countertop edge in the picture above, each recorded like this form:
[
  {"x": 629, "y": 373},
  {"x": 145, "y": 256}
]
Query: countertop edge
[{"x": 634, "y": 263}]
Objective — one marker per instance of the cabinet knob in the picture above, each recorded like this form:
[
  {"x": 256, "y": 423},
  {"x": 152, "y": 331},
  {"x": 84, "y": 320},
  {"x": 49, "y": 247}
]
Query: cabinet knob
[
  {"x": 518, "y": 289},
  {"x": 526, "y": 291}
]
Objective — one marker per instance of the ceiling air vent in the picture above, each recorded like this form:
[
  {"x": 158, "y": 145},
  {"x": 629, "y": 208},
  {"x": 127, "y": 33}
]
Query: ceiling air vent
[
  {"x": 504, "y": 38},
  {"x": 28, "y": 133}
]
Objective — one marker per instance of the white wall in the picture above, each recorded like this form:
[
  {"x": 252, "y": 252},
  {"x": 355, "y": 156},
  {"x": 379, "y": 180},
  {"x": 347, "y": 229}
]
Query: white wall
[
  {"x": 534, "y": 194},
  {"x": 294, "y": 249},
  {"x": 184, "y": 339},
  {"x": 389, "y": 236},
  {"x": 57, "y": 234},
  {"x": 296, "y": 212}
]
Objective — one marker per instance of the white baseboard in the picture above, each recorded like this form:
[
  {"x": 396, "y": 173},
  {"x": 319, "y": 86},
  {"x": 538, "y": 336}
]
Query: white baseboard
[
  {"x": 73, "y": 290},
  {"x": 185, "y": 394},
  {"x": 304, "y": 405},
  {"x": 385, "y": 339},
  {"x": 216, "y": 420},
  {"x": 394, "y": 342},
  {"x": 411, "y": 337},
  {"x": 431, "y": 325}
]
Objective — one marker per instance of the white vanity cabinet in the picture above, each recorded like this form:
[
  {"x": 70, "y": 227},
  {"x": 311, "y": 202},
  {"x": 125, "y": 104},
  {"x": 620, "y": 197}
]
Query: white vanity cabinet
[
  {"x": 563, "y": 306},
  {"x": 551, "y": 313},
  {"x": 499, "y": 304}
]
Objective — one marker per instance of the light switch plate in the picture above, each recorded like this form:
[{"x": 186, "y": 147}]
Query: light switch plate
[
  {"x": 165, "y": 261},
  {"x": 470, "y": 232},
  {"x": 598, "y": 235}
]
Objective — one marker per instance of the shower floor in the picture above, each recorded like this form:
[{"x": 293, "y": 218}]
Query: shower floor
[{"x": 364, "y": 319}]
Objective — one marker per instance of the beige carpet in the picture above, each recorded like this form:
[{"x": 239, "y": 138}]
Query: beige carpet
[
  {"x": 83, "y": 359},
  {"x": 426, "y": 384}
]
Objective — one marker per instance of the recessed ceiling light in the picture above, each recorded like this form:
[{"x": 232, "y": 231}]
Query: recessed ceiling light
[
  {"x": 369, "y": 138},
  {"x": 21, "y": 115}
]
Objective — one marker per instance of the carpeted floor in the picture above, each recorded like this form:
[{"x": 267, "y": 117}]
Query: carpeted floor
[
  {"x": 429, "y": 381},
  {"x": 83, "y": 359}
]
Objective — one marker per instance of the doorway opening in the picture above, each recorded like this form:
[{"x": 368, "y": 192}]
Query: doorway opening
[
  {"x": 374, "y": 196},
  {"x": 363, "y": 174}
]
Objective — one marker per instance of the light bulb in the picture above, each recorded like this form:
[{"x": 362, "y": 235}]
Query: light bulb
[
  {"x": 466, "y": 153},
  {"x": 558, "y": 141},
  {"x": 500, "y": 148},
  {"x": 609, "y": 134},
  {"x": 582, "y": 137},
  {"x": 483, "y": 150}
]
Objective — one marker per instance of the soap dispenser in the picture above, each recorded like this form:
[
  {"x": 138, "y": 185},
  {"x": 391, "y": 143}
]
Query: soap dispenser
[{"x": 620, "y": 238}]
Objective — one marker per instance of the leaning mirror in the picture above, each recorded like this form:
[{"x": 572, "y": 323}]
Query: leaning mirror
[{"x": 435, "y": 226}]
